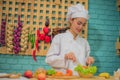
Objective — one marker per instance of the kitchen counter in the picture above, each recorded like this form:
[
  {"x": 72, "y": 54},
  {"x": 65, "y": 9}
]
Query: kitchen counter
[
  {"x": 3, "y": 76},
  {"x": 21, "y": 78},
  {"x": 60, "y": 78},
  {"x": 94, "y": 78}
]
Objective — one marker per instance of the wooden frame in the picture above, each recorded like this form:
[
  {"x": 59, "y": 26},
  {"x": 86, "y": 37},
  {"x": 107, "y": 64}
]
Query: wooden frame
[{"x": 33, "y": 14}]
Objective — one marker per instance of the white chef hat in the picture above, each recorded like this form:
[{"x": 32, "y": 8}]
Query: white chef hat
[{"x": 77, "y": 11}]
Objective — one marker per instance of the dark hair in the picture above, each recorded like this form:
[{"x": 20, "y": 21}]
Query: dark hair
[{"x": 59, "y": 30}]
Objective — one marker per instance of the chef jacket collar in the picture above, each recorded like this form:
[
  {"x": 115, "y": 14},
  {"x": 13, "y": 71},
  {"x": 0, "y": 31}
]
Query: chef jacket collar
[{"x": 71, "y": 35}]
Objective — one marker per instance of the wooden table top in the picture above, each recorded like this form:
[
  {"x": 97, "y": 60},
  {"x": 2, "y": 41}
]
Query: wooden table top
[{"x": 78, "y": 78}]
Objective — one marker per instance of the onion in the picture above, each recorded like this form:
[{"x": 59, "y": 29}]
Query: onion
[
  {"x": 15, "y": 31},
  {"x": 2, "y": 41},
  {"x": 16, "y": 52},
  {"x": 3, "y": 22},
  {"x": 14, "y": 47},
  {"x": 18, "y": 48},
  {"x": 18, "y": 34},
  {"x": 3, "y": 29},
  {"x": 20, "y": 25},
  {"x": 17, "y": 37},
  {"x": 17, "y": 43},
  {"x": 2, "y": 37},
  {"x": 14, "y": 40},
  {"x": 19, "y": 28}
]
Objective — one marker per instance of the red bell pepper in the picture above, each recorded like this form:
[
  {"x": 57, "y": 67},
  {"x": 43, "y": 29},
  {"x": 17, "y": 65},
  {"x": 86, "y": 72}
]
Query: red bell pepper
[
  {"x": 42, "y": 37},
  {"x": 38, "y": 33},
  {"x": 34, "y": 55},
  {"x": 47, "y": 39},
  {"x": 36, "y": 44}
]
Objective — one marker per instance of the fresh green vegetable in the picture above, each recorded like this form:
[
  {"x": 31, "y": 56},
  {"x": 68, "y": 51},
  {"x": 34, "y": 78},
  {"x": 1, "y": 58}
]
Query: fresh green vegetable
[
  {"x": 29, "y": 37},
  {"x": 81, "y": 69},
  {"x": 33, "y": 40},
  {"x": 51, "y": 72}
]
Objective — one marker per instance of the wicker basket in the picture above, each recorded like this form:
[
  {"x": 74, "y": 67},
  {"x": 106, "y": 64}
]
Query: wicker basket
[{"x": 85, "y": 76}]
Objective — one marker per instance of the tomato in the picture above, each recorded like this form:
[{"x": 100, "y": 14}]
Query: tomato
[
  {"x": 58, "y": 73},
  {"x": 28, "y": 74},
  {"x": 41, "y": 76},
  {"x": 69, "y": 72}
]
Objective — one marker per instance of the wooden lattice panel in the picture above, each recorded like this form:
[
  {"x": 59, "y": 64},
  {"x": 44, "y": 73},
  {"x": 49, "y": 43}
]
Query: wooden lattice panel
[{"x": 34, "y": 13}]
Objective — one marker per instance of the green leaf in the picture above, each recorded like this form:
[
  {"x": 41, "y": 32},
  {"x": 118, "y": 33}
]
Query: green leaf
[
  {"x": 51, "y": 72},
  {"x": 91, "y": 69}
]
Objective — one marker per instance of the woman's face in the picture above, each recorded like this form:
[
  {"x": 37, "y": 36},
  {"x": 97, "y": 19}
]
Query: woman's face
[{"x": 77, "y": 25}]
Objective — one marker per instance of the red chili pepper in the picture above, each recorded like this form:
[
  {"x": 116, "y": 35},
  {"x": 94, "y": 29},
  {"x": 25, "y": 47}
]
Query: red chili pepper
[
  {"x": 34, "y": 55},
  {"x": 36, "y": 44},
  {"x": 38, "y": 33}
]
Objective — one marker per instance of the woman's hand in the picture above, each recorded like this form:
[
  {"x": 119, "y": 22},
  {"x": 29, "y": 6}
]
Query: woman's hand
[
  {"x": 90, "y": 60},
  {"x": 70, "y": 56}
]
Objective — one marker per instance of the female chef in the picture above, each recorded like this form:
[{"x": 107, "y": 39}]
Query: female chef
[{"x": 68, "y": 49}]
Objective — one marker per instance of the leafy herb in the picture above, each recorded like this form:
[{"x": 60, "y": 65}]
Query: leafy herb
[
  {"x": 91, "y": 69},
  {"x": 51, "y": 72}
]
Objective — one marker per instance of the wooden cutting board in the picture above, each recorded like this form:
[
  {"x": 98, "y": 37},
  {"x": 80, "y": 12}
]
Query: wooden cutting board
[
  {"x": 4, "y": 75},
  {"x": 64, "y": 77},
  {"x": 12, "y": 76},
  {"x": 76, "y": 78}
]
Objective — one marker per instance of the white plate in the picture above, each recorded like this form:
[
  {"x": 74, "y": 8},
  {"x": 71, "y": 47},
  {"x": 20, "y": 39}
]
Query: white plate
[{"x": 5, "y": 74}]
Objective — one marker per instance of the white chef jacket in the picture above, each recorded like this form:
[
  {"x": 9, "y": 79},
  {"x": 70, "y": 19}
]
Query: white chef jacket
[{"x": 62, "y": 44}]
